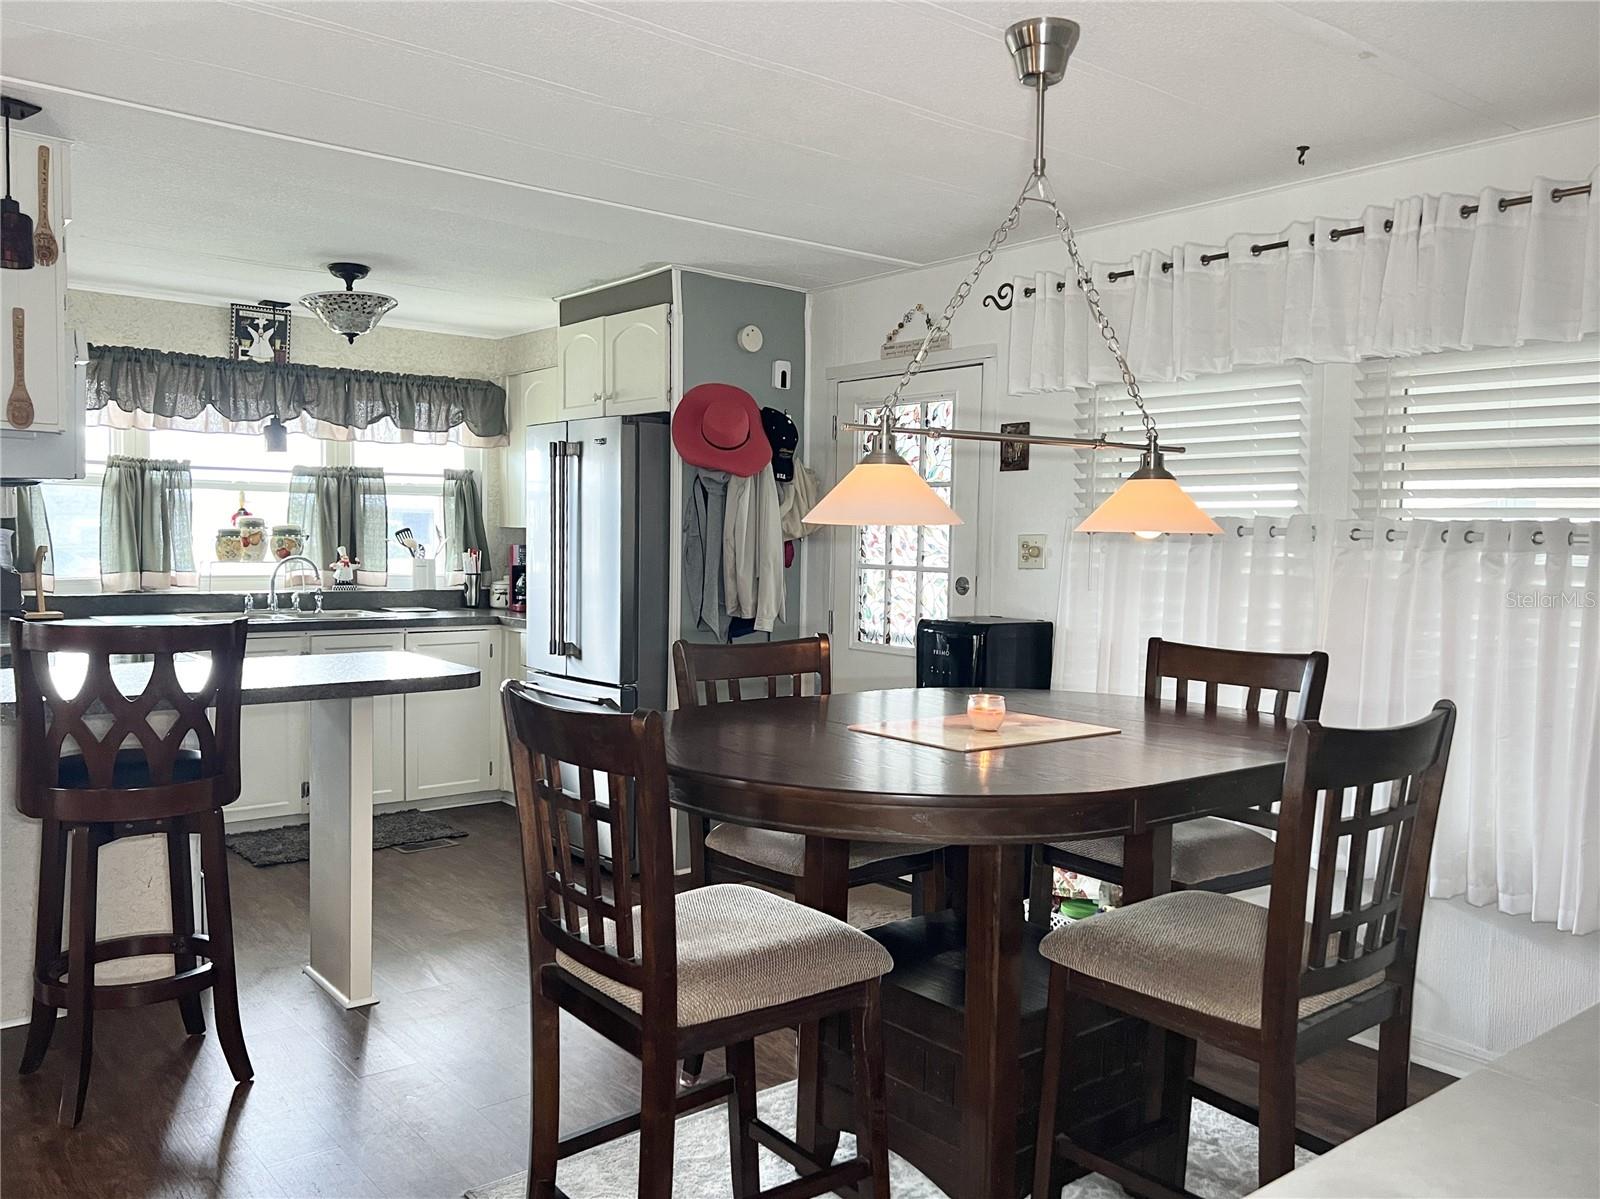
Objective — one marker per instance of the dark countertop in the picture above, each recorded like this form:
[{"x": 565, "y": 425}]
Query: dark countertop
[
  {"x": 346, "y": 620},
  {"x": 281, "y": 680}
]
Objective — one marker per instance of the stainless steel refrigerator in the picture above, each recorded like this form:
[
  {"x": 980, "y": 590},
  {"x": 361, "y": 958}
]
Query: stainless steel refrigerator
[{"x": 597, "y": 513}]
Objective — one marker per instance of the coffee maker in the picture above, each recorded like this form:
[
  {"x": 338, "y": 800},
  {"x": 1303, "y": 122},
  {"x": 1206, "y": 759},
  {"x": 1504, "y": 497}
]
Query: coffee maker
[{"x": 517, "y": 574}]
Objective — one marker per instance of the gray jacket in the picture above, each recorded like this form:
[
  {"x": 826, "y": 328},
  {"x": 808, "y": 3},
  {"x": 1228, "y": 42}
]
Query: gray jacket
[{"x": 703, "y": 516}]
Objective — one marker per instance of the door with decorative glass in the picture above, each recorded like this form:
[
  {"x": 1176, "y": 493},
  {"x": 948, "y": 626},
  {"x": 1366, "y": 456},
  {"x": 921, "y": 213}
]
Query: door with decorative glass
[{"x": 887, "y": 577}]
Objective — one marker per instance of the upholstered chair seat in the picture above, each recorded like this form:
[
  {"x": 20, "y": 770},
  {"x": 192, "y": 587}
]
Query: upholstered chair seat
[{"x": 1202, "y": 851}]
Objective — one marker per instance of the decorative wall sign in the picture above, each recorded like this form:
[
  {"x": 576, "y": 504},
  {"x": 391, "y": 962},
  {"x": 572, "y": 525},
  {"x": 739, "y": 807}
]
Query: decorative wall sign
[
  {"x": 1014, "y": 454},
  {"x": 920, "y": 324},
  {"x": 260, "y": 333}
]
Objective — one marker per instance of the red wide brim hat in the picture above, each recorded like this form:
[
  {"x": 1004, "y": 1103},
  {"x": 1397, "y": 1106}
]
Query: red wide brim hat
[{"x": 717, "y": 426}]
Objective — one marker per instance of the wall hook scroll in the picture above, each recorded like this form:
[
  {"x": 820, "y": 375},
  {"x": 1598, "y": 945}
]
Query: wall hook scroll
[{"x": 1001, "y": 297}]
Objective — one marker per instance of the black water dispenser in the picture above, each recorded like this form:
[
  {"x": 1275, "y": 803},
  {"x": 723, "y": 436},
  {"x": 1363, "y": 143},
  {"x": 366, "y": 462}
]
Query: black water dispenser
[{"x": 985, "y": 653}]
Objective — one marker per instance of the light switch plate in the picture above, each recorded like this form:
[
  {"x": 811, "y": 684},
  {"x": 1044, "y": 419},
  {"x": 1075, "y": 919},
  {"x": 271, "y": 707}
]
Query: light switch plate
[{"x": 1030, "y": 551}]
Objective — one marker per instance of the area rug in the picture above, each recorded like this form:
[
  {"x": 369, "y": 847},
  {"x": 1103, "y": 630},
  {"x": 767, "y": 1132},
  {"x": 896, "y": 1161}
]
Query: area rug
[
  {"x": 292, "y": 842},
  {"x": 1222, "y": 1161}
]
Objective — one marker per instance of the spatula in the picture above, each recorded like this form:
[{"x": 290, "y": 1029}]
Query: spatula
[
  {"x": 44, "y": 238},
  {"x": 406, "y": 538},
  {"x": 19, "y": 404}
]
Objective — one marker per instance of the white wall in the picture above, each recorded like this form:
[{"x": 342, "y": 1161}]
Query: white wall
[{"x": 1489, "y": 982}]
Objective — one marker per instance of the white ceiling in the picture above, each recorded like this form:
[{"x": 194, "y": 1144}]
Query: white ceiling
[{"x": 484, "y": 157}]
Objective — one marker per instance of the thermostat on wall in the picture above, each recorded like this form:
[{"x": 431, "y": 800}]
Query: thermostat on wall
[{"x": 750, "y": 338}]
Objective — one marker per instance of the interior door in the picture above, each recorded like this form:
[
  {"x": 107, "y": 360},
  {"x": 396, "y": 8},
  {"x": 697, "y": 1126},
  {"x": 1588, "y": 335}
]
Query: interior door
[{"x": 886, "y": 578}]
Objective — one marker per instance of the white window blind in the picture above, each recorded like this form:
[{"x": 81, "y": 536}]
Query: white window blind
[
  {"x": 1489, "y": 433},
  {"x": 1246, "y": 434}
]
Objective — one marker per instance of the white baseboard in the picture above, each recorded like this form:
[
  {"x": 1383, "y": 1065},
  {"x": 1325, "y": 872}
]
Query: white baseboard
[
  {"x": 1445, "y": 1054},
  {"x": 399, "y": 805}
]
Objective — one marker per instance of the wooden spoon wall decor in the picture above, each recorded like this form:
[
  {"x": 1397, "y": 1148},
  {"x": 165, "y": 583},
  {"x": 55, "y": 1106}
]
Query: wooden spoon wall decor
[
  {"x": 19, "y": 404},
  {"x": 44, "y": 238}
]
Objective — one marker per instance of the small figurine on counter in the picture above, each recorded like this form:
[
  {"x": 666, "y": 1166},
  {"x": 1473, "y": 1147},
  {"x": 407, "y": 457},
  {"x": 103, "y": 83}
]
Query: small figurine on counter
[{"x": 344, "y": 569}]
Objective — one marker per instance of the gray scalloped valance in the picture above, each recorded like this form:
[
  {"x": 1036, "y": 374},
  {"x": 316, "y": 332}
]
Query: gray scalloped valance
[{"x": 182, "y": 386}]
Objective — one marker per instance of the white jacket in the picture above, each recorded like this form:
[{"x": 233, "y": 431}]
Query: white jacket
[{"x": 752, "y": 550}]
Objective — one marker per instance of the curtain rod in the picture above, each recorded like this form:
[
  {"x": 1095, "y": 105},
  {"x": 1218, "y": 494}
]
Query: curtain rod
[
  {"x": 1556, "y": 196},
  {"x": 1468, "y": 536}
]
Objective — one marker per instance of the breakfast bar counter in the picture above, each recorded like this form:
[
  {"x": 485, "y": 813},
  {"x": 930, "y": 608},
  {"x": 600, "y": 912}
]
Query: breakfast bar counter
[{"x": 340, "y": 689}]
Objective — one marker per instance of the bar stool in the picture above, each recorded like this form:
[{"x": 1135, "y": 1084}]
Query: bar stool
[{"x": 105, "y": 791}]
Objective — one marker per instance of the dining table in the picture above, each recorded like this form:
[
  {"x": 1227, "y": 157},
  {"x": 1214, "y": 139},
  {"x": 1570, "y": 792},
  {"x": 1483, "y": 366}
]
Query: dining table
[{"x": 796, "y": 764}]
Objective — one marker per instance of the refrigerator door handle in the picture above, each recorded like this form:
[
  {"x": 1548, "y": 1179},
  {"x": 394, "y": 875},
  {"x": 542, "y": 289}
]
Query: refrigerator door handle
[
  {"x": 556, "y": 530},
  {"x": 573, "y": 450}
]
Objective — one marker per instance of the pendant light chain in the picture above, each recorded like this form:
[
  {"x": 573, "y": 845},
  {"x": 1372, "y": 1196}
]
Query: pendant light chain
[{"x": 1036, "y": 188}]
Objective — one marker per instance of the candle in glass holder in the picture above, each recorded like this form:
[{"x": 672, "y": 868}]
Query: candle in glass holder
[{"x": 986, "y": 712}]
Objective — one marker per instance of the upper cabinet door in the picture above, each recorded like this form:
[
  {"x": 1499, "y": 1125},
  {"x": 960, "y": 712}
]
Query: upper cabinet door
[
  {"x": 540, "y": 395},
  {"x": 583, "y": 369},
  {"x": 532, "y": 398},
  {"x": 638, "y": 374}
]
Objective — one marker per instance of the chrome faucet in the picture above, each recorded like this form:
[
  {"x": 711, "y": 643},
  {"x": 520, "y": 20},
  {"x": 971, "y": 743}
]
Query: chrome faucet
[{"x": 272, "y": 585}]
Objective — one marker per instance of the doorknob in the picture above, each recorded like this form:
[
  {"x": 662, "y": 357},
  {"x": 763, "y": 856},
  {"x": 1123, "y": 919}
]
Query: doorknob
[{"x": 963, "y": 584}]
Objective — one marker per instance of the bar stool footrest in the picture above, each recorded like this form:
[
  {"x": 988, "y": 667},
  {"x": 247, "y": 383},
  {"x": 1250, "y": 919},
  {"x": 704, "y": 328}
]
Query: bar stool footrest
[{"x": 49, "y": 986}]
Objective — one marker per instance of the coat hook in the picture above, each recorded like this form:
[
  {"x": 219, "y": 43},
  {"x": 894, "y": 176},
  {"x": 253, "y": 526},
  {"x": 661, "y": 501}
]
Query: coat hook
[{"x": 1302, "y": 159}]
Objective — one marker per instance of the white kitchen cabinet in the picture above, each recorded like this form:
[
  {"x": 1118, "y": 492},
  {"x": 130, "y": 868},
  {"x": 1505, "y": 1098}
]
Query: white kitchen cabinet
[
  {"x": 449, "y": 745},
  {"x": 388, "y": 713},
  {"x": 619, "y": 365},
  {"x": 274, "y": 746},
  {"x": 580, "y": 353},
  {"x": 637, "y": 360},
  {"x": 532, "y": 398}
]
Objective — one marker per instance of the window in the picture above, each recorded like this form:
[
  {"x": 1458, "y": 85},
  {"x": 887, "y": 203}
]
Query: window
[
  {"x": 74, "y": 511},
  {"x": 1496, "y": 433},
  {"x": 903, "y": 571},
  {"x": 1245, "y": 435},
  {"x": 414, "y": 478}
]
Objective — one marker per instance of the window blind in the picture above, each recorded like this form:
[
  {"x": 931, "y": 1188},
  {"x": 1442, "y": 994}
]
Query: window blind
[
  {"x": 1488, "y": 433},
  {"x": 1246, "y": 434}
]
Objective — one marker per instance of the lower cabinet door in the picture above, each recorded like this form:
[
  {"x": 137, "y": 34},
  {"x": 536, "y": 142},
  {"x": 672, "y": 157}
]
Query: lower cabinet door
[
  {"x": 450, "y": 746},
  {"x": 388, "y": 713},
  {"x": 274, "y": 746}
]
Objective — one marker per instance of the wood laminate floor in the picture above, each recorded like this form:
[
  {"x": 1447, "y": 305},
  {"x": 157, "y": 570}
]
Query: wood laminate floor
[{"x": 423, "y": 1095}]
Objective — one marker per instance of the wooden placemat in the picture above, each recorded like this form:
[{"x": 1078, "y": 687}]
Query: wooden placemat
[{"x": 956, "y": 732}]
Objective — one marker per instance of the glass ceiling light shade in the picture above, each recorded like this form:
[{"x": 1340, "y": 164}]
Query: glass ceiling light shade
[
  {"x": 1149, "y": 504},
  {"x": 349, "y": 313},
  {"x": 884, "y": 490}
]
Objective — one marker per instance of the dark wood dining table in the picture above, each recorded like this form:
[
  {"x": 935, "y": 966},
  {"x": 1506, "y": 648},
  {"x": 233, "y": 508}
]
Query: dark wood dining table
[{"x": 795, "y": 764}]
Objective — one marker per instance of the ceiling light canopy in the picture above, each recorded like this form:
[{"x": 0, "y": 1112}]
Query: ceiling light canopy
[
  {"x": 349, "y": 313},
  {"x": 883, "y": 489}
]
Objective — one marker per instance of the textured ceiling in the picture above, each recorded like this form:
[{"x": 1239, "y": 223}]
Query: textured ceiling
[{"x": 484, "y": 157}]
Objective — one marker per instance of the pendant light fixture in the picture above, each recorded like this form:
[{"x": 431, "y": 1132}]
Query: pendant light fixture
[
  {"x": 884, "y": 489},
  {"x": 16, "y": 226},
  {"x": 349, "y": 313}
]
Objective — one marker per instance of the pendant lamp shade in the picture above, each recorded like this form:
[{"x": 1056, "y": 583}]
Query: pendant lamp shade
[
  {"x": 882, "y": 493},
  {"x": 1149, "y": 504}
]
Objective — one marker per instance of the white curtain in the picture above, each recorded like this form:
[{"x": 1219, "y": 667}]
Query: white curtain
[
  {"x": 1501, "y": 617},
  {"x": 1420, "y": 278}
]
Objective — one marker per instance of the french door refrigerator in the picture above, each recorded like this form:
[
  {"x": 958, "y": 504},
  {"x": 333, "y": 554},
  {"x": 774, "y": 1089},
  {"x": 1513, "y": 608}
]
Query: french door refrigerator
[{"x": 597, "y": 513}]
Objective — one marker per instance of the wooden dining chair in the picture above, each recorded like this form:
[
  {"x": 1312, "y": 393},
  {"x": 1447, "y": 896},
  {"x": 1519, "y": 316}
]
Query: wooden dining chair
[
  {"x": 741, "y": 853},
  {"x": 1264, "y": 983},
  {"x": 1212, "y": 853},
  {"x": 666, "y": 974},
  {"x": 78, "y": 776}
]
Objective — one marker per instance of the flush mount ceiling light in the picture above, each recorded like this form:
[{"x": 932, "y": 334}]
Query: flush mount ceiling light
[
  {"x": 883, "y": 489},
  {"x": 349, "y": 313}
]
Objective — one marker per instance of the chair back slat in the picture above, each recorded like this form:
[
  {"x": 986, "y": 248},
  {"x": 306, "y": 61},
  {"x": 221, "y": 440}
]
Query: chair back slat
[
  {"x": 1345, "y": 786},
  {"x": 767, "y": 666},
  {"x": 160, "y": 687},
  {"x": 574, "y": 907},
  {"x": 1280, "y": 675}
]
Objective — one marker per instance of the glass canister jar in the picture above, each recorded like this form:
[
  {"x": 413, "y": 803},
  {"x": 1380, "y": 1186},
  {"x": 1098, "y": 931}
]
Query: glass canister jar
[
  {"x": 287, "y": 541},
  {"x": 252, "y": 539},
  {"x": 229, "y": 547}
]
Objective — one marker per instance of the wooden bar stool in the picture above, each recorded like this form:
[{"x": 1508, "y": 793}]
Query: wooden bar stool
[
  {"x": 665, "y": 975},
  {"x": 1278, "y": 984},
  {"x": 739, "y": 853},
  {"x": 103, "y": 789},
  {"x": 1213, "y": 853}
]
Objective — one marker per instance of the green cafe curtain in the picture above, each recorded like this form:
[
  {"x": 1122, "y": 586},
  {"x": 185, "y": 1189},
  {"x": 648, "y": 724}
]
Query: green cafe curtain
[
  {"x": 343, "y": 505},
  {"x": 146, "y": 525},
  {"x": 463, "y": 522},
  {"x": 32, "y": 530}
]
